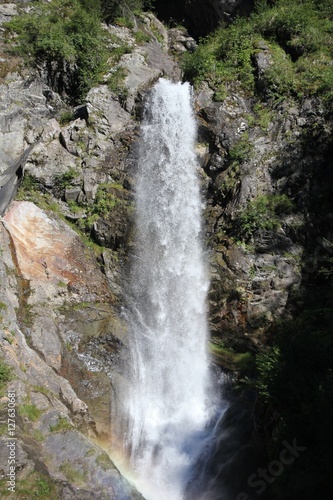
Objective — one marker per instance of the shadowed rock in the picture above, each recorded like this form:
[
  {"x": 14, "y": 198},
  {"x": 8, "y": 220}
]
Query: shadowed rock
[{"x": 10, "y": 179}]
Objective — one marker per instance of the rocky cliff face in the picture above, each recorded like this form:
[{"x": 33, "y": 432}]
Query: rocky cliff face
[
  {"x": 65, "y": 243},
  {"x": 46, "y": 273},
  {"x": 269, "y": 238}
]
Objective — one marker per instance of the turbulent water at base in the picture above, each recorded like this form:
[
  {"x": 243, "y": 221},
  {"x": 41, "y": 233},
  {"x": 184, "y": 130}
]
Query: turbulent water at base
[{"x": 169, "y": 403}]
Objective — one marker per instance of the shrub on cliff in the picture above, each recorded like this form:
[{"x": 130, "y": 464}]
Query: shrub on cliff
[
  {"x": 5, "y": 374},
  {"x": 66, "y": 39},
  {"x": 296, "y": 38},
  {"x": 262, "y": 213}
]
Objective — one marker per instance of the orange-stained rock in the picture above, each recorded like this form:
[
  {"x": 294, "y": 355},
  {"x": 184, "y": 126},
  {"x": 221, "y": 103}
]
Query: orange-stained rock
[{"x": 48, "y": 251}]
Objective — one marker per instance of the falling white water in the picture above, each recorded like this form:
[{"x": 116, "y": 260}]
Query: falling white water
[{"x": 168, "y": 404}]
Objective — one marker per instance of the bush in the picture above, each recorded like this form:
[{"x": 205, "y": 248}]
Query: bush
[
  {"x": 6, "y": 374},
  {"x": 299, "y": 27},
  {"x": 118, "y": 48},
  {"x": 65, "y": 38},
  {"x": 63, "y": 181},
  {"x": 298, "y": 36},
  {"x": 243, "y": 362},
  {"x": 242, "y": 150},
  {"x": 30, "y": 411},
  {"x": 66, "y": 117},
  {"x": 62, "y": 425},
  {"x": 267, "y": 365},
  {"x": 141, "y": 37},
  {"x": 116, "y": 83},
  {"x": 262, "y": 213},
  {"x": 223, "y": 57},
  {"x": 44, "y": 489}
]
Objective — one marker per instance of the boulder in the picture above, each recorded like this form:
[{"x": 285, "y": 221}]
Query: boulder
[
  {"x": 7, "y": 11},
  {"x": 139, "y": 76},
  {"x": 105, "y": 112}
]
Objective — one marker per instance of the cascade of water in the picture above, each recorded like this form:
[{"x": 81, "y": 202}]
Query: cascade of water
[{"x": 169, "y": 402}]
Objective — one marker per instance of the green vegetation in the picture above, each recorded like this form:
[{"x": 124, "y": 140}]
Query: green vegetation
[
  {"x": 65, "y": 180},
  {"x": 83, "y": 229},
  {"x": 264, "y": 116},
  {"x": 41, "y": 389},
  {"x": 32, "y": 190},
  {"x": 157, "y": 35},
  {"x": 73, "y": 475},
  {"x": 262, "y": 213},
  {"x": 298, "y": 41},
  {"x": 90, "y": 453},
  {"x": 244, "y": 362},
  {"x": 125, "y": 22},
  {"x": 44, "y": 488},
  {"x": 29, "y": 184},
  {"x": 35, "y": 485},
  {"x": 104, "y": 461},
  {"x": 230, "y": 178},
  {"x": 267, "y": 361},
  {"x": 3, "y": 430},
  {"x": 64, "y": 37},
  {"x": 67, "y": 307},
  {"x": 141, "y": 37},
  {"x": 62, "y": 284},
  {"x": 30, "y": 411},
  {"x": 66, "y": 117},
  {"x": 9, "y": 335},
  {"x": 27, "y": 315},
  {"x": 6, "y": 374},
  {"x": 109, "y": 197},
  {"x": 223, "y": 57},
  {"x": 37, "y": 435},
  {"x": 13, "y": 65},
  {"x": 242, "y": 150},
  {"x": 62, "y": 425},
  {"x": 116, "y": 83},
  {"x": 3, "y": 307},
  {"x": 118, "y": 48}
]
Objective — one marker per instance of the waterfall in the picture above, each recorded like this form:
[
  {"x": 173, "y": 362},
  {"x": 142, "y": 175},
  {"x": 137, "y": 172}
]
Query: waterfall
[{"x": 169, "y": 402}]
